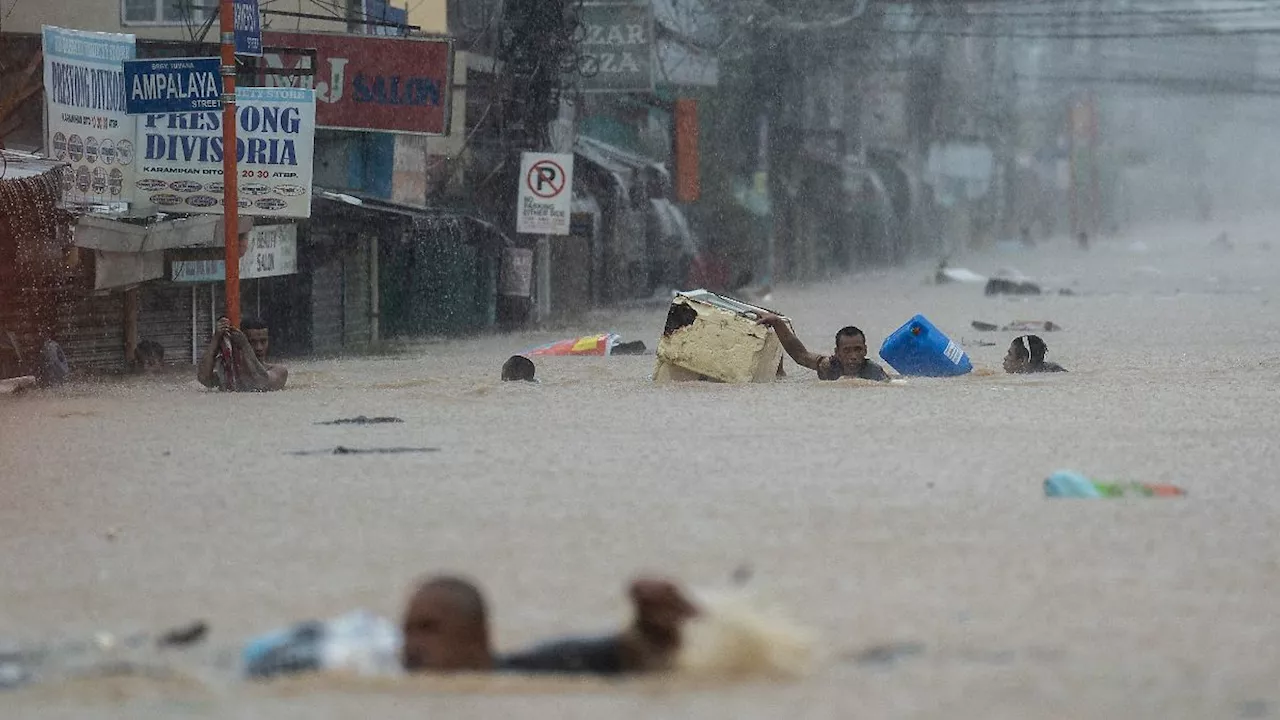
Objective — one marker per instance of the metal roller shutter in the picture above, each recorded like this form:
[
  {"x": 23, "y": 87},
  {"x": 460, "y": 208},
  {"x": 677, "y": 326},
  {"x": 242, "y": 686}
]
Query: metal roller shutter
[
  {"x": 326, "y": 307},
  {"x": 92, "y": 333},
  {"x": 164, "y": 315},
  {"x": 356, "y": 297}
]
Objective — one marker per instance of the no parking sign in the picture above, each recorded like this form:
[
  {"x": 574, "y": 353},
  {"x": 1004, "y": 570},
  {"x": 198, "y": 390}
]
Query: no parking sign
[{"x": 546, "y": 193}]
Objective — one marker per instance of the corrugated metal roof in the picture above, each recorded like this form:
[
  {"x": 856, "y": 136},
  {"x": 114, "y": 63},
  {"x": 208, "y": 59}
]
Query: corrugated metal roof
[{"x": 18, "y": 165}]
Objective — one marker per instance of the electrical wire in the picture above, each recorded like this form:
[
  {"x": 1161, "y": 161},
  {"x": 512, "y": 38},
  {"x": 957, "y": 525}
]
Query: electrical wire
[
  {"x": 1121, "y": 35},
  {"x": 1076, "y": 12}
]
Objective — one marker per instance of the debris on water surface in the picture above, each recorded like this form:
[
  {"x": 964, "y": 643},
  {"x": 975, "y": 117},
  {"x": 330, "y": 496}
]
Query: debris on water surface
[
  {"x": 344, "y": 450},
  {"x": 186, "y": 635},
  {"x": 13, "y": 674},
  {"x": 1071, "y": 484},
  {"x": 1253, "y": 709},
  {"x": 886, "y": 654},
  {"x": 362, "y": 420},
  {"x": 1018, "y": 326},
  {"x": 1002, "y": 286},
  {"x": 635, "y": 347}
]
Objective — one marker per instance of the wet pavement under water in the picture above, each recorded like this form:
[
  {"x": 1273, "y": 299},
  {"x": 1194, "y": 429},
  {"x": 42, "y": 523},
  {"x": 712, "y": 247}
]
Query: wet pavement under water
[{"x": 906, "y": 524}]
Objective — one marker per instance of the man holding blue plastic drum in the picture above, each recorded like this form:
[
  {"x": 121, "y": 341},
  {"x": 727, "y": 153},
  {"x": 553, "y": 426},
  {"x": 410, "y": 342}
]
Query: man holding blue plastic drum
[{"x": 848, "y": 360}]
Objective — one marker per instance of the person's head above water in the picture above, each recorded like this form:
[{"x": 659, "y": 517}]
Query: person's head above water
[
  {"x": 851, "y": 347},
  {"x": 259, "y": 339},
  {"x": 149, "y": 356},
  {"x": 518, "y": 367},
  {"x": 446, "y": 627},
  {"x": 1026, "y": 354}
]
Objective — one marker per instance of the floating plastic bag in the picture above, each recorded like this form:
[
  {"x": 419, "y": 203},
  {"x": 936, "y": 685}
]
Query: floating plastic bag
[
  {"x": 1071, "y": 484},
  {"x": 600, "y": 345}
]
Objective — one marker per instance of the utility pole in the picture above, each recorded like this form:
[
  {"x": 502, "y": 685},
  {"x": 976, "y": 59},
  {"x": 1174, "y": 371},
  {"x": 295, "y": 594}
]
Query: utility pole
[
  {"x": 536, "y": 41},
  {"x": 230, "y": 187}
]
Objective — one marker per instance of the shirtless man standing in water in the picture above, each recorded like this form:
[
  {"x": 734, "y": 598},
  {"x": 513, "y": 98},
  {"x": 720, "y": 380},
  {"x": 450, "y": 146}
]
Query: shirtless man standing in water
[{"x": 251, "y": 343}]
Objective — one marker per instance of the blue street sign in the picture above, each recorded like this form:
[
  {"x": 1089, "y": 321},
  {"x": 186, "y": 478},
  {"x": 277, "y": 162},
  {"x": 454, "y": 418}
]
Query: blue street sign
[
  {"x": 248, "y": 27},
  {"x": 172, "y": 85}
]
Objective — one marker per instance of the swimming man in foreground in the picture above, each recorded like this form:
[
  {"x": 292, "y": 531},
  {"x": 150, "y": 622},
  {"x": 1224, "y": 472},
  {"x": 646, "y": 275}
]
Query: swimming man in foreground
[{"x": 446, "y": 629}]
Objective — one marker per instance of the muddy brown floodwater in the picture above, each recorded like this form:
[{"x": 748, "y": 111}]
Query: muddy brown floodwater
[{"x": 906, "y": 516}]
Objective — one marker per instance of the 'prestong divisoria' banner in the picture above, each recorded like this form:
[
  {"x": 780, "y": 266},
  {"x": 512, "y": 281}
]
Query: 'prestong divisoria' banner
[{"x": 180, "y": 155}]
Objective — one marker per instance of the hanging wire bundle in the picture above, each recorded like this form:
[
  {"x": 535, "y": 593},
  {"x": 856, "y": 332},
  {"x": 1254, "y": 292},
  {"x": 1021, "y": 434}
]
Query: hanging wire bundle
[{"x": 539, "y": 48}]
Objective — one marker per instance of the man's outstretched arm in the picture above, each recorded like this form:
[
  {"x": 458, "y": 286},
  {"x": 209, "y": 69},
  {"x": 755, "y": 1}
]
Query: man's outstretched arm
[
  {"x": 650, "y": 643},
  {"x": 790, "y": 342}
]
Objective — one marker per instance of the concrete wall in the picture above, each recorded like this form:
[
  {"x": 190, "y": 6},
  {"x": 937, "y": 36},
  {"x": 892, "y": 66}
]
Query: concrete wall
[
  {"x": 422, "y": 163},
  {"x": 430, "y": 15}
]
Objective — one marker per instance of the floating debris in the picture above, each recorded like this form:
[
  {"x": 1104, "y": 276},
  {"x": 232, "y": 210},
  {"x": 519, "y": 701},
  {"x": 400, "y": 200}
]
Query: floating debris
[
  {"x": 182, "y": 636},
  {"x": 362, "y": 420},
  {"x": 1253, "y": 709},
  {"x": 886, "y": 654},
  {"x": 1018, "y": 326},
  {"x": 344, "y": 450}
]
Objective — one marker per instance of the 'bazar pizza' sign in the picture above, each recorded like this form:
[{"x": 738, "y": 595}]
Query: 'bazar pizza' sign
[{"x": 617, "y": 47}]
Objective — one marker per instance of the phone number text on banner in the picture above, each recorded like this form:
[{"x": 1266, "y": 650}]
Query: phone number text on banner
[{"x": 180, "y": 155}]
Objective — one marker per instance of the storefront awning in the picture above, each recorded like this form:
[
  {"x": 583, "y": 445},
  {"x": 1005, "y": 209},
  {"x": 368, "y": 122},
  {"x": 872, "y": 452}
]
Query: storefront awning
[
  {"x": 627, "y": 167},
  {"x": 351, "y": 206},
  {"x": 115, "y": 234},
  {"x": 16, "y": 165}
]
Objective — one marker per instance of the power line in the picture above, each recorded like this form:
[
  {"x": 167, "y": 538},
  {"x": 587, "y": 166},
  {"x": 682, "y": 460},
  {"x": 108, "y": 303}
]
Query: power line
[
  {"x": 1199, "y": 32},
  {"x": 1078, "y": 13},
  {"x": 1183, "y": 85},
  {"x": 1093, "y": 21},
  {"x": 1067, "y": 23}
]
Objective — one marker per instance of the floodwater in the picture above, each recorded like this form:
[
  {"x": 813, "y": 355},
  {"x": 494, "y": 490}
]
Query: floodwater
[{"x": 911, "y": 513}]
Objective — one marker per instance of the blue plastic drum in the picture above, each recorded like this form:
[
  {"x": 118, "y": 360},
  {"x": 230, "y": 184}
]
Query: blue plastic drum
[{"x": 919, "y": 349}]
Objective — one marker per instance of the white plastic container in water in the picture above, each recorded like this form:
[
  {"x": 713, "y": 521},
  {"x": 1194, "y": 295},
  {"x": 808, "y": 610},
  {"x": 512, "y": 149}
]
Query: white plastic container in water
[
  {"x": 716, "y": 337},
  {"x": 358, "y": 642}
]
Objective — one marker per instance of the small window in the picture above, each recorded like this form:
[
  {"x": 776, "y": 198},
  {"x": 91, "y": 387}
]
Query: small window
[{"x": 166, "y": 12}]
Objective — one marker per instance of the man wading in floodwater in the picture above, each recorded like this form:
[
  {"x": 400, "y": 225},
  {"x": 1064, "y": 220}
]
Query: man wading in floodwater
[
  {"x": 248, "y": 370},
  {"x": 848, "y": 360}
]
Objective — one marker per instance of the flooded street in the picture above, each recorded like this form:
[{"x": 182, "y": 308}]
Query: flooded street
[{"x": 875, "y": 514}]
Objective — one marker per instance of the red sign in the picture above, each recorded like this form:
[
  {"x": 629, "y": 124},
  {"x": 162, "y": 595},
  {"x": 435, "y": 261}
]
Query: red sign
[{"x": 366, "y": 82}]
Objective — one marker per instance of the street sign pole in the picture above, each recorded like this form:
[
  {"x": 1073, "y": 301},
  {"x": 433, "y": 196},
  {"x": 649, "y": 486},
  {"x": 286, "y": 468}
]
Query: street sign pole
[{"x": 230, "y": 187}]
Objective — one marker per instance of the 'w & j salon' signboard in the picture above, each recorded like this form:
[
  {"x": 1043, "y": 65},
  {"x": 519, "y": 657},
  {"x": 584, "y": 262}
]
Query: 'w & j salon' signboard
[{"x": 366, "y": 82}]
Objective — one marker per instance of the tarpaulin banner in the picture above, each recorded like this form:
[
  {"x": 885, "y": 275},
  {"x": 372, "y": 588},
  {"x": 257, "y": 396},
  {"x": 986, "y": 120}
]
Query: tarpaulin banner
[
  {"x": 180, "y": 155},
  {"x": 271, "y": 250},
  {"x": 601, "y": 344},
  {"x": 88, "y": 127},
  {"x": 366, "y": 82}
]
